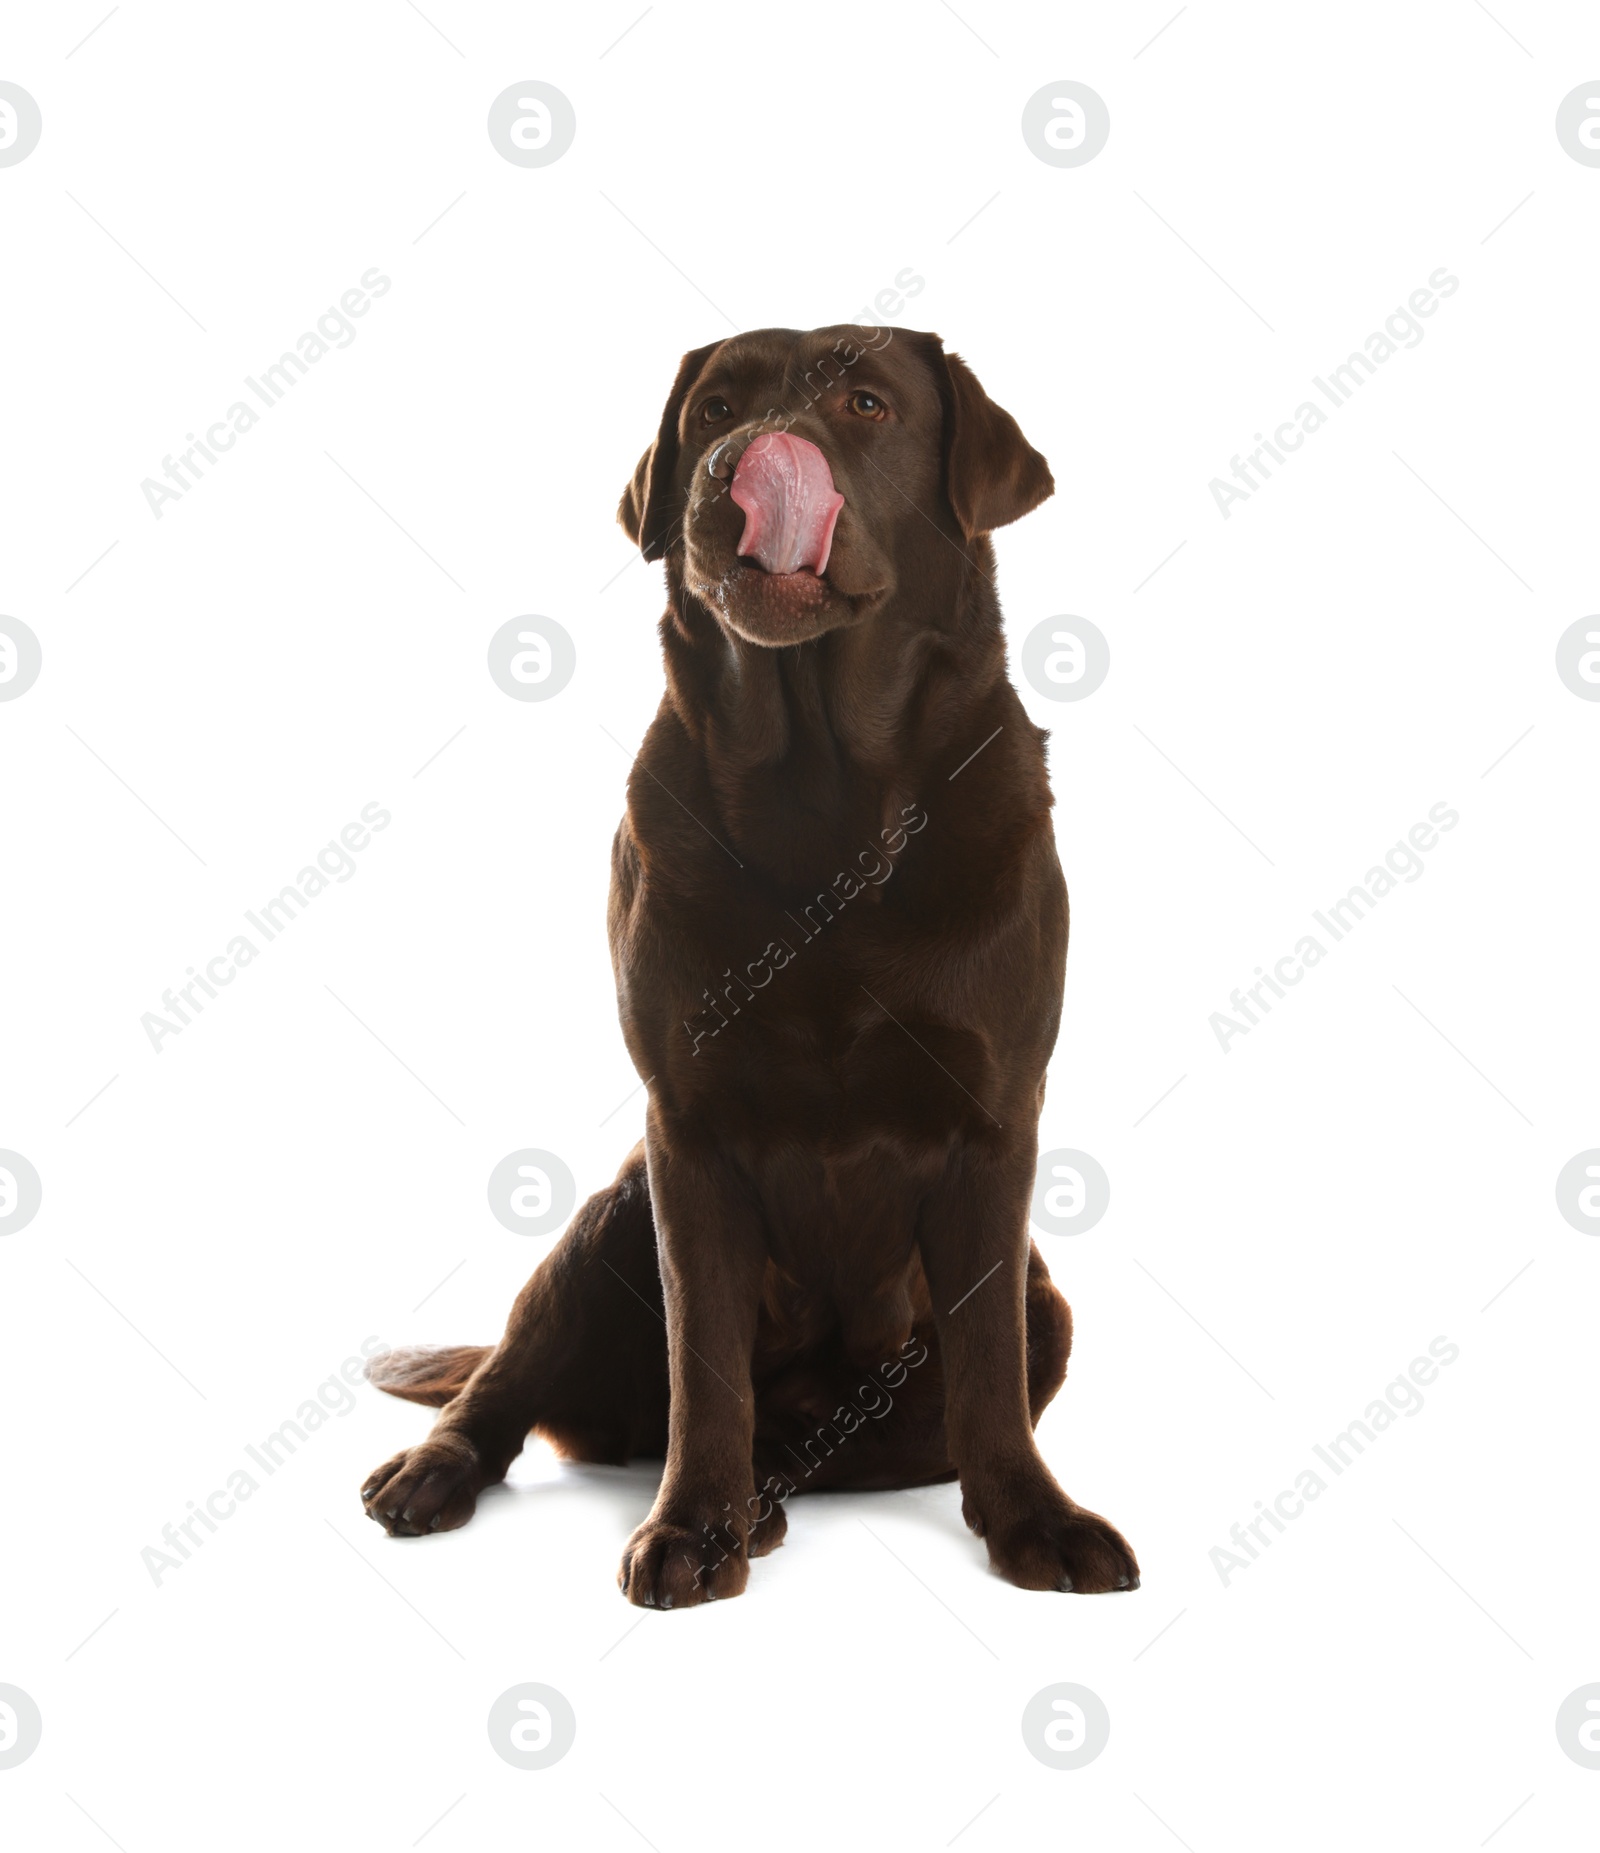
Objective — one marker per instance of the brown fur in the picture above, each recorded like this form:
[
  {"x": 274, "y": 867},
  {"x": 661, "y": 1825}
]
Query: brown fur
[{"x": 839, "y": 930}]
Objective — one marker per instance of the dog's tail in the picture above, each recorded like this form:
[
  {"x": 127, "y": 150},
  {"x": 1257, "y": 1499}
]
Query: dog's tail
[{"x": 430, "y": 1374}]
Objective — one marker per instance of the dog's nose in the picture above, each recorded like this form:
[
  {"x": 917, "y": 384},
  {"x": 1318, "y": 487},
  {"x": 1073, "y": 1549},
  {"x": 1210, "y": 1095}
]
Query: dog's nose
[
  {"x": 723, "y": 460},
  {"x": 790, "y": 505}
]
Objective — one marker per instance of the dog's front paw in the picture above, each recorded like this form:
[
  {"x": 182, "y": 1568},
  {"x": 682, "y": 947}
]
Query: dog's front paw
[
  {"x": 1050, "y": 1543},
  {"x": 672, "y": 1566},
  {"x": 431, "y": 1487}
]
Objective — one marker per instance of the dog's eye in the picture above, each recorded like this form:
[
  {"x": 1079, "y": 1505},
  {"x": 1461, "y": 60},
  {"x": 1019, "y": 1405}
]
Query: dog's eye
[
  {"x": 866, "y": 405},
  {"x": 715, "y": 410}
]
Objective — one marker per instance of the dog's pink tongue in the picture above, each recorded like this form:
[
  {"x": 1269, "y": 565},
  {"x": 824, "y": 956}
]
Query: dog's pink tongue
[{"x": 790, "y": 505}]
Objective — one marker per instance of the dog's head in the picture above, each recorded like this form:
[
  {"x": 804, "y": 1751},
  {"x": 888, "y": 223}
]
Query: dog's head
[{"x": 800, "y": 477}]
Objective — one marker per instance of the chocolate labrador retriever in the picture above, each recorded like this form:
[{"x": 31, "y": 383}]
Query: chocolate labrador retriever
[{"x": 839, "y": 931}]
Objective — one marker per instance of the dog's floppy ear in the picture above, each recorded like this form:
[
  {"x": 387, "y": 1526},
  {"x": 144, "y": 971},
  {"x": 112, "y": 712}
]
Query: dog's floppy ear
[
  {"x": 992, "y": 474},
  {"x": 646, "y": 511}
]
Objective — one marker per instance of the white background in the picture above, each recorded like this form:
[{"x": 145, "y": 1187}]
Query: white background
[{"x": 1294, "y": 1222}]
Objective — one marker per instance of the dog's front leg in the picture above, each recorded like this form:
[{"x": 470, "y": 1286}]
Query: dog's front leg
[
  {"x": 974, "y": 1241},
  {"x": 697, "y": 1542}
]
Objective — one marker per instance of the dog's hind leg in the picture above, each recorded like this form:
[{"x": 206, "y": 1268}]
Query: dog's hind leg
[
  {"x": 823, "y": 1426},
  {"x": 583, "y": 1361}
]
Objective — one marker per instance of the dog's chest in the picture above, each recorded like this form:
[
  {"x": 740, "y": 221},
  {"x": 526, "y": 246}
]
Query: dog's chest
[{"x": 826, "y": 1048}]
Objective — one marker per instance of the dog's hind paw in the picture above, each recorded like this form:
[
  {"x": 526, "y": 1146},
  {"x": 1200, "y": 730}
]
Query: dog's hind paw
[{"x": 431, "y": 1487}]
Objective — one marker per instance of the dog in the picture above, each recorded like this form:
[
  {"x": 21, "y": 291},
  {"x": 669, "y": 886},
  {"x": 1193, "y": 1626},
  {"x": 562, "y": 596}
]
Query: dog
[{"x": 839, "y": 929}]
